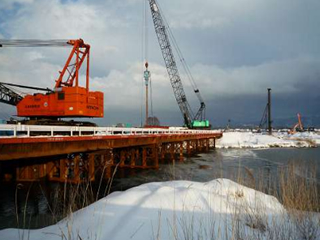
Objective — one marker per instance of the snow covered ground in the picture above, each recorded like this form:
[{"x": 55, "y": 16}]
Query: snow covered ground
[
  {"x": 309, "y": 136},
  {"x": 263, "y": 140},
  {"x": 218, "y": 209}
]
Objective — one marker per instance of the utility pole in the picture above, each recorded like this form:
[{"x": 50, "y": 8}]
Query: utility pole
[
  {"x": 269, "y": 112},
  {"x": 146, "y": 81}
]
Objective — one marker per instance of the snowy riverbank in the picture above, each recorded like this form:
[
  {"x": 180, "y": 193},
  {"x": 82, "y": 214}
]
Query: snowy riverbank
[
  {"x": 218, "y": 209},
  {"x": 263, "y": 140}
]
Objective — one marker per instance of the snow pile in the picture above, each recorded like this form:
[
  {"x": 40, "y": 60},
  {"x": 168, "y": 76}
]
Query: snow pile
[
  {"x": 307, "y": 136},
  {"x": 166, "y": 210},
  {"x": 260, "y": 140}
]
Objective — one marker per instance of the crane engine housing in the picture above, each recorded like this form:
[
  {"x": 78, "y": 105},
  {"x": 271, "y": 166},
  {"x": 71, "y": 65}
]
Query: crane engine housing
[{"x": 63, "y": 102}]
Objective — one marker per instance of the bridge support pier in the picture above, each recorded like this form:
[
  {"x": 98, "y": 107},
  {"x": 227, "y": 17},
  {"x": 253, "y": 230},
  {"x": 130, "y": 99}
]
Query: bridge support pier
[
  {"x": 155, "y": 151},
  {"x": 207, "y": 145},
  {"x": 181, "y": 158},
  {"x": 172, "y": 151},
  {"x": 188, "y": 149},
  {"x": 144, "y": 157}
]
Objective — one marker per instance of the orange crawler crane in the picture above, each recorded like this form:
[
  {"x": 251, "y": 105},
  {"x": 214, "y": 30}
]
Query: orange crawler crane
[
  {"x": 67, "y": 99},
  {"x": 298, "y": 127}
]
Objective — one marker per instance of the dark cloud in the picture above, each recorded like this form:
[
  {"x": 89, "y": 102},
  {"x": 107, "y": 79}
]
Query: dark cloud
[{"x": 235, "y": 53}]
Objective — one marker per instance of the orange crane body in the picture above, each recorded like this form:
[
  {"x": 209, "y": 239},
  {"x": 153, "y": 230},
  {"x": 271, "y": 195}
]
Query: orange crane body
[
  {"x": 68, "y": 102},
  {"x": 299, "y": 122},
  {"x": 298, "y": 126},
  {"x": 67, "y": 99}
]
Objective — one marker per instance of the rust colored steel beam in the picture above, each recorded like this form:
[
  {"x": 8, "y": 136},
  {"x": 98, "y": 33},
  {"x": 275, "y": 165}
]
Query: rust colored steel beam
[{"x": 23, "y": 148}]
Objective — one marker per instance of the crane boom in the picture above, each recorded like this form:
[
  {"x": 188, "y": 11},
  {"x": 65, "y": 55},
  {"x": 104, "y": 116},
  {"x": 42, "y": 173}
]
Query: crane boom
[
  {"x": 170, "y": 63},
  {"x": 163, "y": 33},
  {"x": 32, "y": 43},
  {"x": 8, "y": 96},
  {"x": 28, "y": 87}
]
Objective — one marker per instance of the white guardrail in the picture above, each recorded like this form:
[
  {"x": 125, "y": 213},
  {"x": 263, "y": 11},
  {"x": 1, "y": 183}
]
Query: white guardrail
[{"x": 13, "y": 130}]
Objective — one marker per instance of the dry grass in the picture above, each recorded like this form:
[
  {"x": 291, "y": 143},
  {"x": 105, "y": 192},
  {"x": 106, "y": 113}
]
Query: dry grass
[{"x": 295, "y": 187}]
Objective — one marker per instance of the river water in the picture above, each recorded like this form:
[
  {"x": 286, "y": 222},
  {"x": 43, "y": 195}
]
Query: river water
[
  {"x": 32, "y": 202},
  {"x": 232, "y": 164}
]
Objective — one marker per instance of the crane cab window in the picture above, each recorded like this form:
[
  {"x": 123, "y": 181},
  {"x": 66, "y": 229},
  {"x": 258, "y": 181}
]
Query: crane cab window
[{"x": 61, "y": 96}]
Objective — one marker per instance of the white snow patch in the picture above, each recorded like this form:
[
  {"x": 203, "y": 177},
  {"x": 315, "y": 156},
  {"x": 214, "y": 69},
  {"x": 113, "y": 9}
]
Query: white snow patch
[
  {"x": 308, "y": 136},
  {"x": 263, "y": 140},
  {"x": 164, "y": 210}
]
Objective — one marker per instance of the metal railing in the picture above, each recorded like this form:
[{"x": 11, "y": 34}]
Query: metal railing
[{"x": 13, "y": 130}]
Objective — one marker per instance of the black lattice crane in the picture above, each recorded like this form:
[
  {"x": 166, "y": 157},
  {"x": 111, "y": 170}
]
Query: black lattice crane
[{"x": 162, "y": 32}]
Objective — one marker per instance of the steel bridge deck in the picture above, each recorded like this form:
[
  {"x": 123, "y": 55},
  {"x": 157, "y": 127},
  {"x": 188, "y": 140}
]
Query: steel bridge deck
[{"x": 31, "y": 149}]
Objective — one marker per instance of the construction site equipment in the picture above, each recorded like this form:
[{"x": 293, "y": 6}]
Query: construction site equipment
[
  {"x": 298, "y": 127},
  {"x": 67, "y": 99},
  {"x": 163, "y": 33},
  {"x": 8, "y": 96},
  {"x": 266, "y": 116},
  {"x": 146, "y": 75}
]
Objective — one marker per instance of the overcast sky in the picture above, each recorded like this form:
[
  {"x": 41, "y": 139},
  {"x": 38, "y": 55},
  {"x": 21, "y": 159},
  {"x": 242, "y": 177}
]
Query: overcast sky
[{"x": 236, "y": 49}]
